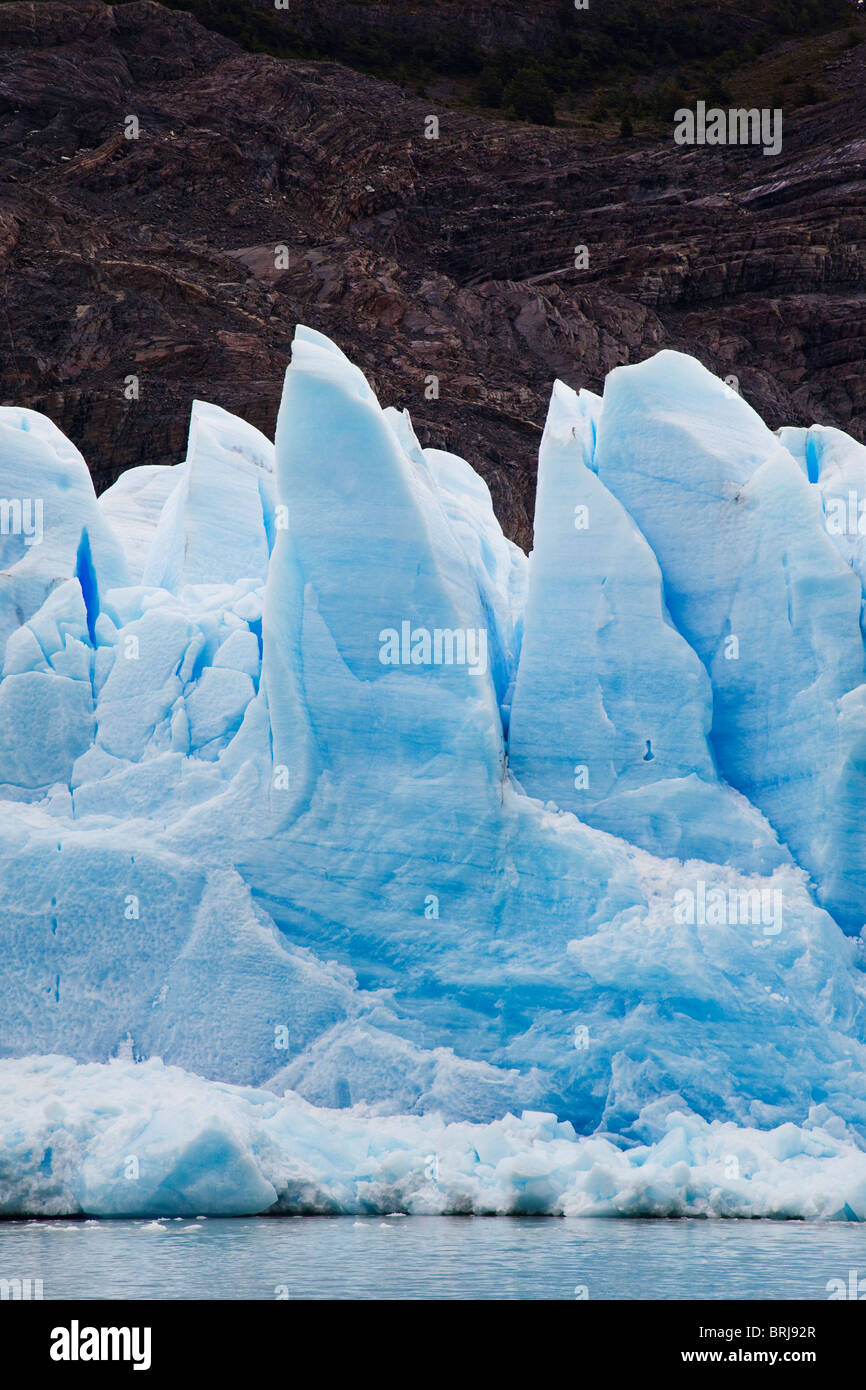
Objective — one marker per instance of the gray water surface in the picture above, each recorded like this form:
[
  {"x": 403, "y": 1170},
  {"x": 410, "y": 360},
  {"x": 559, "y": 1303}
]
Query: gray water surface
[{"x": 437, "y": 1257}]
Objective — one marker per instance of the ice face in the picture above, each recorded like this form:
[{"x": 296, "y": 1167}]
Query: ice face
[
  {"x": 612, "y": 707},
  {"x": 133, "y": 505},
  {"x": 836, "y": 466},
  {"x": 376, "y": 646},
  {"x": 758, "y": 589},
  {"x": 196, "y": 542},
  {"x": 292, "y": 804},
  {"x": 51, "y": 527}
]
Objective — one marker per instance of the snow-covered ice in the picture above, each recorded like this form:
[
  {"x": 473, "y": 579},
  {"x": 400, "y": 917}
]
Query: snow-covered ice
[{"x": 352, "y": 862}]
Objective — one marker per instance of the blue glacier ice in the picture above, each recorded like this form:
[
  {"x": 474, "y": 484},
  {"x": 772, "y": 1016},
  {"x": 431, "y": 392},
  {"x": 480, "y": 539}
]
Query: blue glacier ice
[
  {"x": 51, "y": 526},
  {"x": 755, "y": 583},
  {"x": 354, "y": 862},
  {"x": 194, "y": 542},
  {"x": 613, "y": 708}
]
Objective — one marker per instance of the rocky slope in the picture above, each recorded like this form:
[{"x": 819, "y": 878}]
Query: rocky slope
[{"x": 156, "y": 258}]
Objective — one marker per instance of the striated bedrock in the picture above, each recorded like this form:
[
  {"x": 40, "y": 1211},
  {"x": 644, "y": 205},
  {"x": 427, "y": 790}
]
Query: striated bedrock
[{"x": 156, "y": 258}]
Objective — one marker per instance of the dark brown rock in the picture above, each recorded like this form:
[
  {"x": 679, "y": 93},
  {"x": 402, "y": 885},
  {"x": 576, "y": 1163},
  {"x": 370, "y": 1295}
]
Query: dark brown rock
[{"x": 454, "y": 257}]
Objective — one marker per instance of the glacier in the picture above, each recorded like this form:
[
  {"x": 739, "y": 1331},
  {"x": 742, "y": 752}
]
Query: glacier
[{"x": 354, "y": 861}]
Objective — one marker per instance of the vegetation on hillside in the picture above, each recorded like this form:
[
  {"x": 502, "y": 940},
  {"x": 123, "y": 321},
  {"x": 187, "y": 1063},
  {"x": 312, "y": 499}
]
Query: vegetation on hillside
[{"x": 623, "y": 63}]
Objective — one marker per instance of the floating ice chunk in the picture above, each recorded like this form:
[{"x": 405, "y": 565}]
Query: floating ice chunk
[{"x": 153, "y": 1141}]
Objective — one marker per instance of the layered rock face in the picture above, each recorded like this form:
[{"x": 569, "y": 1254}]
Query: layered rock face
[{"x": 139, "y": 273}]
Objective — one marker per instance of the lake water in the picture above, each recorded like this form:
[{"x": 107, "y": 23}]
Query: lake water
[{"x": 431, "y": 1258}]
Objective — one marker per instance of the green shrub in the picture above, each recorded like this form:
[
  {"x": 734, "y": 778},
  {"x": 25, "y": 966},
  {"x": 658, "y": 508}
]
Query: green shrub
[
  {"x": 489, "y": 87},
  {"x": 530, "y": 97}
]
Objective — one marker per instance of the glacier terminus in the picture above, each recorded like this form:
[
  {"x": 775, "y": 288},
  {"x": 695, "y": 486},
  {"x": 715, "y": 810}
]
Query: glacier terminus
[{"x": 353, "y": 862}]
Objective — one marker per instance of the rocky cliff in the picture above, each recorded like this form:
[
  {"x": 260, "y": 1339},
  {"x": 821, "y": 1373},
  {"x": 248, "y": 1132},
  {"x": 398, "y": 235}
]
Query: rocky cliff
[{"x": 140, "y": 272}]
